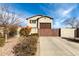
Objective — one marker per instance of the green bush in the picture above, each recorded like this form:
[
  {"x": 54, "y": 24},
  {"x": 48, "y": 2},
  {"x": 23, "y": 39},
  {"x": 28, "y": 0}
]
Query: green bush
[
  {"x": 27, "y": 46},
  {"x": 2, "y": 41}
]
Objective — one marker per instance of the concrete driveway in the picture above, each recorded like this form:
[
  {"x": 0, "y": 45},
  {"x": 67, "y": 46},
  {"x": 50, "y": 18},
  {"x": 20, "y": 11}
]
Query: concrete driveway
[{"x": 56, "y": 46}]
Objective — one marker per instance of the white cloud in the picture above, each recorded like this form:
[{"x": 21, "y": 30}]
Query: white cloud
[
  {"x": 63, "y": 12},
  {"x": 67, "y": 11}
]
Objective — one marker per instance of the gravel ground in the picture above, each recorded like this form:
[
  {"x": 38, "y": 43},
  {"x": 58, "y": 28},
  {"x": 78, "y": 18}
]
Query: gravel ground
[{"x": 7, "y": 49}]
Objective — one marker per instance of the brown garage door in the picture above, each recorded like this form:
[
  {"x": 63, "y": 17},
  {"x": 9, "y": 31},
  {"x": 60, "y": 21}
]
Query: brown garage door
[{"x": 45, "y": 25}]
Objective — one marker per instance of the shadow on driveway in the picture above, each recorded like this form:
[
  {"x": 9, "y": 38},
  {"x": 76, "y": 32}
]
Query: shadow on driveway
[{"x": 72, "y": 39}]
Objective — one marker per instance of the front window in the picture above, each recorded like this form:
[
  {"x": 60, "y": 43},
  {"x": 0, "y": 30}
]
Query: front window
[{"x": 32, "y": 21}]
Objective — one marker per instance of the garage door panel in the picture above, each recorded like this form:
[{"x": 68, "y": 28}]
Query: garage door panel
[{"x": 45, "y": 25}]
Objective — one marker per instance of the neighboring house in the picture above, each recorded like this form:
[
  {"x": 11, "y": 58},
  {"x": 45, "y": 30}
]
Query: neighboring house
[{"x": 40, "y": 22}]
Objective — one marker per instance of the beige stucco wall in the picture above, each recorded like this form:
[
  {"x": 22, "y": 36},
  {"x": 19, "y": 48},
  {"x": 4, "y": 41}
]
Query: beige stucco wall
[
  {"x": 33, "y": 24},
  {"x": 68, "y": 33},
  {"x": 34, "y": 30}
]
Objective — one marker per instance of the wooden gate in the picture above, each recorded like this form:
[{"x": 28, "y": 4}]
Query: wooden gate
[{"x": 49, "y": 32}]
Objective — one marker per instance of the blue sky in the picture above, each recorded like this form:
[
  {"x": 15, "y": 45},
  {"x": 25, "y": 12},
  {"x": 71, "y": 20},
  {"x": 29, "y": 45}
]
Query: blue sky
[{"x": 58, "y": 11}]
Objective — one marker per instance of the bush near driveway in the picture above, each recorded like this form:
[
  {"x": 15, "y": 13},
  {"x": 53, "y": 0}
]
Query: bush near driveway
[
  {"x": 35, "y": 34},
  {"x": 27, "y": 46},
  {"x": 25, "y": 31}
]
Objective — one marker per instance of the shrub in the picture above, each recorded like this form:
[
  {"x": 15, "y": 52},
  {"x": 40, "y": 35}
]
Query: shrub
[
  {"x": 25, "y": 31},
  {"x": 12, "y": 31},
  {"x": 2, "y": 41},
  {"x": 34, "y": 34},
  {"x": 27, "y": 46}
]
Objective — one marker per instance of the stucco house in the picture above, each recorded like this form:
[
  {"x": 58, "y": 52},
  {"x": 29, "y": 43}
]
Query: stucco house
[
  {"x": 39, "y": 22},
  {"x": 43, "y": 25}
]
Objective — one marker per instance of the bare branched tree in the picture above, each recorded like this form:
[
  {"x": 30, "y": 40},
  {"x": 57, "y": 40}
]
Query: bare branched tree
[
  {"x": 73, "y": 22},
  {"x": 7, "y": 19}
]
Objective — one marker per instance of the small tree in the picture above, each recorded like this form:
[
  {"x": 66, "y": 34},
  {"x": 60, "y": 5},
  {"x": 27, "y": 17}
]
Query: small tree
[
  {"x": 12, "y": 31},
  {"x": 7, "y": 19}
]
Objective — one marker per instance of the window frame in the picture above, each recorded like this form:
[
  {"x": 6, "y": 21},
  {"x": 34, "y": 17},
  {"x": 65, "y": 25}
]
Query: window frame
[{"x": 33, "y": 21}]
